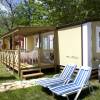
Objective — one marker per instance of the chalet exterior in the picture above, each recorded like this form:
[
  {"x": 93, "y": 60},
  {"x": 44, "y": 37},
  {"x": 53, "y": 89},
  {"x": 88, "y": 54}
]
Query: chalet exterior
[{"x": 78, "y": 44}]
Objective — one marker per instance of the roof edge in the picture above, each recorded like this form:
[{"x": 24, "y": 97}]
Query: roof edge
[{"x": 76, "y": 23}]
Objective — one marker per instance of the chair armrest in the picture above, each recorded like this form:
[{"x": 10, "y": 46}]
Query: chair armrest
[{"x": 70, "y": 80}]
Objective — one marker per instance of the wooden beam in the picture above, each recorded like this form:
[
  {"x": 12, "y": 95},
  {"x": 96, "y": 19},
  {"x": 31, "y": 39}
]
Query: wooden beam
[
  {"x": 56, "y": 49},
  {"x": 6, "y": 35},
  {"x": 39, "y": 51},
  {"x": 13, "y": 44}
]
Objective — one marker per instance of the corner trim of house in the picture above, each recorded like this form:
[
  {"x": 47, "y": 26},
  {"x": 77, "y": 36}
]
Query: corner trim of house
[{"x": 87, "y": 44}]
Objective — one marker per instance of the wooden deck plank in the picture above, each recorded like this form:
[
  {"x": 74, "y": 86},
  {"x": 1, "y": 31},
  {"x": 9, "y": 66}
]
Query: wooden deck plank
[{"x": 29, "y": 70}]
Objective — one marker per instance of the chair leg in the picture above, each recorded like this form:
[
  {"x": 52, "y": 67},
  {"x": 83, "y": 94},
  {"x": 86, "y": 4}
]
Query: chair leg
[
  {"x": 91, "y": 90},
  {"x": 67, "y": 97},
  {"x": 78, "y": 93},
  {"x": 53, "y": 94}
]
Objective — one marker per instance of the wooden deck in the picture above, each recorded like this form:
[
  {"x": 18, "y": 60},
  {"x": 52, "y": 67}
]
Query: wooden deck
[{"x": 11, "y": 58}]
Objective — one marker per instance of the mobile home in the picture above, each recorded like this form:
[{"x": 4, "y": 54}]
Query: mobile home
[
  {"x": 80, "y": 44},
  {"x": 77, "y": 43}
]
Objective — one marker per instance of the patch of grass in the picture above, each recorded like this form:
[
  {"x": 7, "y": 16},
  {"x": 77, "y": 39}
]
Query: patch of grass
[
  {"x": 95, "y": 95},
  {"x": 6, "y": 75},
  {"x": 33, "y": 93}
]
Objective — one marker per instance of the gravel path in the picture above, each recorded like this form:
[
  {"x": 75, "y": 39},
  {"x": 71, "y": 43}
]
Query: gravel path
[{"x": 18, "y": 84}]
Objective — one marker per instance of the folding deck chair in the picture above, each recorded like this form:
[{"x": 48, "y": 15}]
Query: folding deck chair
[
  {"x": 79, "y": 83},
  {"x": 65, "y": 76}
]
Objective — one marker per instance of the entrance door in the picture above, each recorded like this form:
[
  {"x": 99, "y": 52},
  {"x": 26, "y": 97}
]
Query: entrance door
[{"x": 47, "y": 48}]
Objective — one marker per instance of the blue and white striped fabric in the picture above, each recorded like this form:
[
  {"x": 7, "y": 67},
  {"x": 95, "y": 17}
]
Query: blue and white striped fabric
[
  {"x": 63, "y": 77},
  {"x": 80, "y": 80}
]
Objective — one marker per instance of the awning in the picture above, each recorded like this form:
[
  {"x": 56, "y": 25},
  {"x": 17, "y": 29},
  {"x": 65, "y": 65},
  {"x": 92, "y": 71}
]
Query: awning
[{"x": 28, "y": 30}]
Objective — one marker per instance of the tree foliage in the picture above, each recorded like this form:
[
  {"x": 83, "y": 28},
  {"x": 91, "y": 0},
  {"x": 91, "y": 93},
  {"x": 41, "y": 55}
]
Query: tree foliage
[
  {"x": 7, "y": 17},
  {"x": 32, "y": 13},
  {"x": 47, "y": 12},
  {"x": 69, "y": 11}
]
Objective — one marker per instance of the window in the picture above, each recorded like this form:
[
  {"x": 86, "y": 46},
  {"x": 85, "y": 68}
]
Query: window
[
  {"x": 98, "y": 39},
  {"x": 36, "y": 41},
  {"x": 47, "y": 47},
  {"x": 48, "y": 41}
]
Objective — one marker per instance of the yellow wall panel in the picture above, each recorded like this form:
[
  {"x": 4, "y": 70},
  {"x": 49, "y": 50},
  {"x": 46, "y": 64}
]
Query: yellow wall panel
[
  {"x": 29, "y": 42},
  {"x": 70, "y": 45}
]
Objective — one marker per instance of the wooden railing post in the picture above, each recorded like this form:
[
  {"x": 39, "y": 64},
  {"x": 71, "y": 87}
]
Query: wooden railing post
[
  {"x": 6, "y": 58},
  {"x": 9, "y": 58},
  {"x": 39, "y": 57},
  {"x": 19, "y": 69},
  {"x": 13, "y": 60},
  {"x": 3, "y": 58},
  {"x": 0, "y": 56}
]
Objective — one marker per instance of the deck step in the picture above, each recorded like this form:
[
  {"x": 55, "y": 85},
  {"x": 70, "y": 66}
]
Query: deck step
[
  {"x": 31, "y": 70},
  {"x": 33, "y": 75}
]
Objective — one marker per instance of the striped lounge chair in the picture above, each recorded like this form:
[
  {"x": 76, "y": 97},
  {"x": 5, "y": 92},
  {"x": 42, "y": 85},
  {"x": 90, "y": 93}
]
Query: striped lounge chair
[
  {"x": 65, "y": 76},
  {"x": 80, "y": 82}
]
